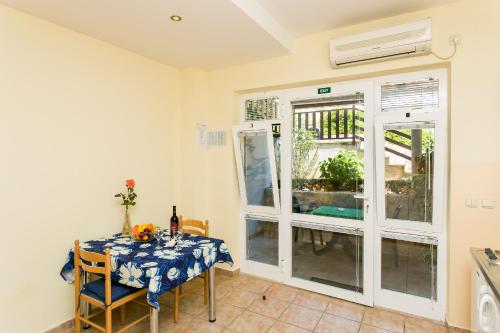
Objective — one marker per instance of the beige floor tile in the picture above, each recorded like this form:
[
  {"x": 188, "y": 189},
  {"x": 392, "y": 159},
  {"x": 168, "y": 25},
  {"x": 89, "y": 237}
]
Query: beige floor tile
[
  {"x": 227, "y": 284},
  {"x": 225, "y": 314},
  {"x": 312, "y": 300},
  {"x": 239, "y": 298},
  {"x": 255, "y": 285},
  {"x": 282, "y": 292},
  {"x": 198, "y": 325},
  {"x": 166, "y": 321},
  {"x": 346, "y": 309},
  {"x": 237, "y": 281},
  {"x": 191, "y": 285},
  {"x": 418, "y": 325},
  {"x": 221, "y": 290},
  {"x": 387, "y": 320},
  {"x": 300, "y": 316},
  {"x": 269, "y": 307},
  {"x": 251, "y": 322},
  {"x": 193, "y": 304},
  {"x": 333, "y": 324},
  {"x": 281, "y": 327},
  {"x": 371, "y": 329}
]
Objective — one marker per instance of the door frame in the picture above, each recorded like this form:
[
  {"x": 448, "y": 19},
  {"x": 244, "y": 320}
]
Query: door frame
[
  {"x": 311, "y": 93},
  {"x": 438, "y": 230},
  {"x": 252, "y": 211},
  {"x": 249, "y": 127},
  {"x": 373, "y": 294}
]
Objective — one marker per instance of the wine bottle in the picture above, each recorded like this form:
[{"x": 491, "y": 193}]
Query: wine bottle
[{"x": 174, "y": 223}]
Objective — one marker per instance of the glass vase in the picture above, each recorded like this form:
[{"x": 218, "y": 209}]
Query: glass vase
[{"x": 127, "y": 228}]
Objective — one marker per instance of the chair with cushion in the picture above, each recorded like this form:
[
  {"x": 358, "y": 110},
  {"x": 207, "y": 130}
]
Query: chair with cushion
[
  {"x": 103, "y": 292},
  {"x": 198, "y": 228}
]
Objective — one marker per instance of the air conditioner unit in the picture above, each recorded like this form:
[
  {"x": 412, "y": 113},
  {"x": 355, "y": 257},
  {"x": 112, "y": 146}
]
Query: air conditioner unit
[{"x": 403, "y": 40}]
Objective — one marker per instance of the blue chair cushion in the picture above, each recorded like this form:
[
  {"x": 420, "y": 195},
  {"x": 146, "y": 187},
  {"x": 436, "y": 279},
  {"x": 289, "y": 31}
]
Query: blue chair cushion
[{"x": 95, "y": 289}]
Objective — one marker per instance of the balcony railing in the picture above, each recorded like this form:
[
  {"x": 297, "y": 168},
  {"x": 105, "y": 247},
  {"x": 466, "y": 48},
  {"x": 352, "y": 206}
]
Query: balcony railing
[{"x": 346, "y": 125}]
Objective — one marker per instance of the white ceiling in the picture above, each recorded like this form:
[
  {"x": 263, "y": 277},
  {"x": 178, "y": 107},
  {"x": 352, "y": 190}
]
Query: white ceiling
[
  {"x": 213, "y": 33},
  {"x": 303, "y": 17}
]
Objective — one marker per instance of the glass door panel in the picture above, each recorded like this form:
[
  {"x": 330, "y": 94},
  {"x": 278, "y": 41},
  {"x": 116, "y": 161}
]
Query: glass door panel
[
  {"x": 328, "y": 146},
  {"x": 409, "y": 170},
  {"x": 328, "y": 257},
  {"x": 257, "y": 168},
  {"x": 256, "y": 165},
  {"x": 409, "y": 266},
  {"x": 262, "y": 240},
  {"x": 330, "y": 181}
]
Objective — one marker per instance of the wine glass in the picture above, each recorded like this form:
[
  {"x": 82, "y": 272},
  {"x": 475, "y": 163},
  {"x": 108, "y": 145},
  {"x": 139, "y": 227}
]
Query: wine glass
[
  {"x": 178, "y": 238},
  {"x": 158, "y": 235}
]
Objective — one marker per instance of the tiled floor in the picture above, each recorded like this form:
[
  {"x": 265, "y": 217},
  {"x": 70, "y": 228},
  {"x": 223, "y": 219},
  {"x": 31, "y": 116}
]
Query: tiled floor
[{"x": 241, "y": 308}]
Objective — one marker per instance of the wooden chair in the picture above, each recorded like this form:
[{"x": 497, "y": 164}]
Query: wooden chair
[
  {"x": 199, "y": 228},
  {"x": 103, "y": 292}
]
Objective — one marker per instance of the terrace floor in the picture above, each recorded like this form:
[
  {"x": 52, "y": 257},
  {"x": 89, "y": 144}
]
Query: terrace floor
[{"x": 241, "y": 308}]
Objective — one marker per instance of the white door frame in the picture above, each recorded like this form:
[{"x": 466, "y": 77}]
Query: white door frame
[
  {"x": 250, "y": 127},
  {"x": 372, "y": 227},
  {"x": 252, "y": 211},
  {"x": 437, "y": 230},
  {"x": 303, "y": 94}
]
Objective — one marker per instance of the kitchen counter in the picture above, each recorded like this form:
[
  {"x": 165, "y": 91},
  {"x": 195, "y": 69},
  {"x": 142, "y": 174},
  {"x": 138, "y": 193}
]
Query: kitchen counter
[{"x": 490, "y": 271}]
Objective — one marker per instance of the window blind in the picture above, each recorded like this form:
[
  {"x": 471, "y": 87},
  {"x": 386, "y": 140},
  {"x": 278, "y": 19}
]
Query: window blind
[
  {"x": 419, "y": 94},
  {"x": 331, "y": 228},
  {"x": 261, "y": 109},
  {"x": 410, "y": 238}
]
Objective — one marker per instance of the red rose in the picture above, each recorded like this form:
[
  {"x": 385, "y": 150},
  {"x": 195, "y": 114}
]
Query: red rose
[{"x": 130, "y": 183}]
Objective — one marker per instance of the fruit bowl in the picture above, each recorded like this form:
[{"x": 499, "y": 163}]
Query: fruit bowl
[{"x": 143, "y": 232}]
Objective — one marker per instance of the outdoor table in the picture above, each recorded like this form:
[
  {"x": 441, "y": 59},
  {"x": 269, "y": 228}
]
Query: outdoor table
[
  {"x": 333, "y": 211},
  {"x": 143, "y": 265}
]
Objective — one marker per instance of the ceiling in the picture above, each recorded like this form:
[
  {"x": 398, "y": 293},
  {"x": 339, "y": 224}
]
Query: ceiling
[
  {"x": 213, "y": 33},
  {"x": 302, "y": 17}
]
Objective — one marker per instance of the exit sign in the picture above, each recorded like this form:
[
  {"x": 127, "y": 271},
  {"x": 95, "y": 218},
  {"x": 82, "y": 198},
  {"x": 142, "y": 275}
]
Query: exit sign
[{"x": 324, "y": 90}]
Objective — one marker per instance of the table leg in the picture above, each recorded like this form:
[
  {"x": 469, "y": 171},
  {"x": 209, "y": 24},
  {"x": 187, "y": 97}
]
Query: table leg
[
  {"x": 211, "y": 294},
  {"x": 153, "y": 321},
  {"x": 86, "y": 307}
]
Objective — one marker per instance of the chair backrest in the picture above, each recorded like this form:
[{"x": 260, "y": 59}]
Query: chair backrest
[
  {"x": 84, "y": 260},
  {"x": 194, "y": 227}
]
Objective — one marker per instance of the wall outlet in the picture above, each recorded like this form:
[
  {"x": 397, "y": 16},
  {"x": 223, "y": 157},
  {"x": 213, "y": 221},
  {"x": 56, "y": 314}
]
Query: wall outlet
[
  {"x": 455, "y": 40},
  {"x": 488, "y": 203},
  {"x": 472, "y": 202}
]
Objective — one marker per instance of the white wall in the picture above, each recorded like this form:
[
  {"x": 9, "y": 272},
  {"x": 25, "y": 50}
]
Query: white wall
[{"x": 77, "y": 117}]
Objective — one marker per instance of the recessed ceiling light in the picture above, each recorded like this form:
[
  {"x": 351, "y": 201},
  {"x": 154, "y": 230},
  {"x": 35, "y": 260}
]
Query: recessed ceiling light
[{"x": 176, "y": 18}]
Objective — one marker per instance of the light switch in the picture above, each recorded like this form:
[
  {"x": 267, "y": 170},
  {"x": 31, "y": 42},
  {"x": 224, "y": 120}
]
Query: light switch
[
  {"x": 488, "y": 203},
  {"x": 471, "y": 202}
]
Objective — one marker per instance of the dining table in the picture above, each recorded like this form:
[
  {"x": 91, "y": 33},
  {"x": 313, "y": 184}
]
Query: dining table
[{"x": 159, "y": 265}]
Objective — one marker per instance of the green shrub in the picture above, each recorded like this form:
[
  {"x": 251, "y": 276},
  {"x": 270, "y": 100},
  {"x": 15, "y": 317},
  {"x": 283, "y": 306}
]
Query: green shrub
[
  {"x": 304, "y": 157},
  {"x": 344, "y": 171}
]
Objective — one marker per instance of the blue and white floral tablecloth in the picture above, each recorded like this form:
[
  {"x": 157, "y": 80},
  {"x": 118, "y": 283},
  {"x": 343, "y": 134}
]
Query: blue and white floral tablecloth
[{"x": 159, "y": 270}]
